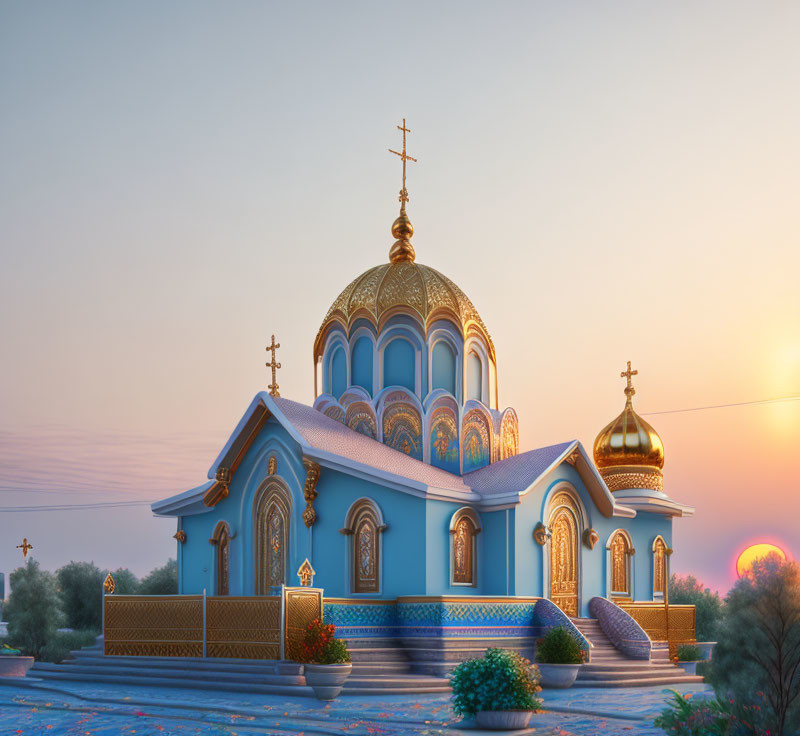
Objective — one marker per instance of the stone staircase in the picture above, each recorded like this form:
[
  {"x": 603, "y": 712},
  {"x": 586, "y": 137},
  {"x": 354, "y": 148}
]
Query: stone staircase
[
  {"x": 610, "y": 668},
  {"x": 379, "y": 668}
]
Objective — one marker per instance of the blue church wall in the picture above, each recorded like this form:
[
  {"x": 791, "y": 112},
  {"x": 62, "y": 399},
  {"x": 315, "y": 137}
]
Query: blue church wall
[
  {"x": 496, "y": 561},
  {"x": 361, "y": 363}
]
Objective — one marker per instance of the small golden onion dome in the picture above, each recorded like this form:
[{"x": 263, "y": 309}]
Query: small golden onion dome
[
  {"x": 628, "y": 452},
  {"x": 403, "y": 230}
]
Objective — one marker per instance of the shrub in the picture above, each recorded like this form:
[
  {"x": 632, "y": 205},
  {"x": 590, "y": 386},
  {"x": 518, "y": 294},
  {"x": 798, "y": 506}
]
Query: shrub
[
  {"x": 161, "y": 581},
  {"x": 500, "y": 680},
  {"x": 319, "y": 646},
  {"x": 62, "y": 643},
  {"x": 685, "y": 716},
  {"x": 708, "y": 605},
  {"x": 558, "y": 647},
  {"x": 689, "y": 653},
  {"x": 126, "y": 583},
  {"x": 33, "y": 609},
  {"x": 80, "y": 587},
  {"x": 757, "y": 657}
]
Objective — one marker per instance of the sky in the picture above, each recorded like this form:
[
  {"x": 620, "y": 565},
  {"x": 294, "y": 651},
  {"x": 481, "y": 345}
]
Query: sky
[{"x": 606, "y": 181}]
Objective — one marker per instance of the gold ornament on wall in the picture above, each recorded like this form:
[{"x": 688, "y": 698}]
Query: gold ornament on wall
[
  {"x": 310, "y": 491},
  {"x": 109, "y": 584},
  {"x": 272, "y": 465},
  {"x": 306, "y": 574},
  {"x": 590, "y": 537},
  {"x": 540, "y": 534},
  {"x": 180, "y": 535}
]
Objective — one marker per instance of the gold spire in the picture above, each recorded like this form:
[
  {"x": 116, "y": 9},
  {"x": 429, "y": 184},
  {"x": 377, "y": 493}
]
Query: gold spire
[
  {"x": 273, "y": 387},
  {"x": 402, "y": 229}
]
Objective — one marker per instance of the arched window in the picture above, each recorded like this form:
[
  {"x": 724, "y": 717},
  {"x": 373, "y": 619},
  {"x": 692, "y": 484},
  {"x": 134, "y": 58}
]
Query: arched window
[
  {"x": 399, "y": 364},
  {"x": 444, "y": 367},
  {"x": 463, "y": 529},
  {"x": 272, "y": 536},
  {"x": 474, "y": 377},
  {"x": 364, "y": 525},
  {"x": 221, "y": 539},
  {"x": 361, "y": 364},
  {"x": 660, "y": 554},
  {"x": 338, "y": 372},
  {"x": 620, "y": 550}
]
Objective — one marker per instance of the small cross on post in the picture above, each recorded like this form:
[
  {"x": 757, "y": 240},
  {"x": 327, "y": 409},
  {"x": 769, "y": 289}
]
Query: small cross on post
[
  {"x": 273, "y": 387},
  {"x": 629, "y": 389},
  {"x": 403, "y": 157},
  {"x": 25, "y": 547}
]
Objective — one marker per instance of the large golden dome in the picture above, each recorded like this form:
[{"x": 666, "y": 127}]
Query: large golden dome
[{"x": 628, "y": 452}]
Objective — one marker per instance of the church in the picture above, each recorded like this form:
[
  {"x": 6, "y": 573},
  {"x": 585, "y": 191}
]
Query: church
[{"x": 402, "y": 491}]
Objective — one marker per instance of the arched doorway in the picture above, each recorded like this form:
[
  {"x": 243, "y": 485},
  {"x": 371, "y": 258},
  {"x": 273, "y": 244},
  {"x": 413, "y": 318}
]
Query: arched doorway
[
  {"x": 272, "y": 522},
  {"x": 564, "y": 566}
]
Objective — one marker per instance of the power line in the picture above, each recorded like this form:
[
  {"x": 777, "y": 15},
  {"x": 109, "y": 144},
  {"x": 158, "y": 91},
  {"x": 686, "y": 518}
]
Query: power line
[
  {"x": 73, "y": 507},
  {"x": 724, "y": 406}
]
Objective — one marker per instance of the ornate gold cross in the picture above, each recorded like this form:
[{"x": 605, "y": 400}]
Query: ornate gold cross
[
  {"x": 403, "y": 157},
  {"x": 629, "y": 389},
  {"x": 25, "y": 547},
  {"x": 273, "y": 387}
]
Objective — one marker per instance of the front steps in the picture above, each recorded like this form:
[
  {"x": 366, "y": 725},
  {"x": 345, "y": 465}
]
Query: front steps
[{"x": 610, "y": 668}]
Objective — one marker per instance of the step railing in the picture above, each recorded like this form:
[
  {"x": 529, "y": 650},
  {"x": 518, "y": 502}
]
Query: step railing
[
  {"x": 240, "y": 627},
  {"x": 621, "y": 629}
]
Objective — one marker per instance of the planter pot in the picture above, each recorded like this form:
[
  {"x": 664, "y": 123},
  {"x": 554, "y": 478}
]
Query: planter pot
[
  {"x": 503, "y": 720},
  {"x": 690, "y": 668},
  {"x": 13, "y": 665},
  {"x": 327, "y": 680},
  {"x": 558, "y": 675},
  {"x": 705, "y": 647}
]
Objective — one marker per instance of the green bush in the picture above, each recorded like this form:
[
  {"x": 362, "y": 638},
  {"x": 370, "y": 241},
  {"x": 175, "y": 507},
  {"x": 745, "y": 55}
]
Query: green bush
[
  {"x": 708, "y": 605},
  {"x": 62, "y": 643},
  {"x": 685, "y": 716},
  {"x": 335, "y": 653},
  {"x": 125, "y": 582},
  {"x": 500, "y": 680},
  {"x": 161, "y": 581},
  {"x": 80, "y": 588},
  {"x": 33, "y": 609},
  {"x": 689, "y": 653},
  {"x": 558, "y": 647}
]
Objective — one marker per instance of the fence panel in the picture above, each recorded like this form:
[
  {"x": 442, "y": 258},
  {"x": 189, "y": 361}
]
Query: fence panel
[
  {"x": 301, "y": 607},
  {"x": 154, "y": 626},
  {"x": 245, "y": 627},
  {"x": 653, "y": 619}
]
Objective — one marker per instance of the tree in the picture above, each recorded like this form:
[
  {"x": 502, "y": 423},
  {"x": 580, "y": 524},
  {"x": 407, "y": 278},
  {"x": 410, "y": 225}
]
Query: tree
[
  {"x": 161, "y": 581},
  {"x": 81, "y": 590},
  {"x": 708, "y": 605},
  {"x": 33, "y": 609},
  {"x": 125, "y": 582},
  {"x": 756, "y": 662}
]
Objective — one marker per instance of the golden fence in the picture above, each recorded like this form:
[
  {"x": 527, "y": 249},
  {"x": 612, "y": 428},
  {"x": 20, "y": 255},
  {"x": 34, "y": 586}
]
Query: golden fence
[
  {"x": 243, "y": 627},
  {"x": 652, "y": 617}
]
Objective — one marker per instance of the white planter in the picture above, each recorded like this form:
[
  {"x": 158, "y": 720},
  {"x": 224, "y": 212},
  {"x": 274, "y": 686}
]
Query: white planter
[
  {"x": 503, "y": 720},
  {"x": 558, "y": 675},
  {"x": 14, "y": 665},
  {"x": 327, "y": 680},
  {"x": 690, "y": 668}
]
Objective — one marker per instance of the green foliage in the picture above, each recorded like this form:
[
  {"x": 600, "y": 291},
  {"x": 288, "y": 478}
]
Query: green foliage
[
  {"x": 125, "y": 581},
  {"x": 33, "y": 609},
  {"x": 686, "y": 590},
  {"x": 500, "y": 680},
  {"x": 685, "y": 716},
  {"x": 558, "y": 647},
  {"x": 319, "y": 646},
  {"x": 62, "y": 643},
  {"x": 757, "y": 658},
  {"x": 80, "y": 587},
  {"x": 689, "y": 653},
  {"x": 335, "y": 653},
  {"x": 161, "y": 581}
]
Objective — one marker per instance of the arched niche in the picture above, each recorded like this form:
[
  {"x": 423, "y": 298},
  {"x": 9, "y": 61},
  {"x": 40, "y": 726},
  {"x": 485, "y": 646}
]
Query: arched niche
[
  {"x": 443, "y": 439},
  {"x": 362, "y": 356},
  {"x": 443, "y": 367},
  {"x": 465, "y": 526},
  {"x": 364, "y": 525},
  {"x": 476, "y": 440},
  {"x": 509, "y": 434},
  {"x": 272, "y": 516},
  {"x": 221, "y": 539},
  {"x": 338, "y": 371},
  {"x": 661, "y": 553},
  {"x": 361, "y": 418},
  {"x": 401, "y": 424},
  {"x": 399, "y": 364},
  {"x": 474, "y": 376},
  {"x": 619, "y": 565}
]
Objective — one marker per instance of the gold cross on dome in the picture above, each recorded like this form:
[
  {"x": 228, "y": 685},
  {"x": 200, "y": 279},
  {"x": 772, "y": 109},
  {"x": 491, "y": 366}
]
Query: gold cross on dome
[
  {"x": 273, "y": 387},
  {"x": 629, "y": 389},
  {"x": 403, "y": 157},
  {"x": 25, "y": 547}
]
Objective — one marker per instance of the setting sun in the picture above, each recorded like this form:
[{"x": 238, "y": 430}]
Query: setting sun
[{"x": 756, "y": 552}]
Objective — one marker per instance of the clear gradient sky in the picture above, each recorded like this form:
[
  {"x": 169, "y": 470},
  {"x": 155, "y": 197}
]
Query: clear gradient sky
[{"x": 606, "y": 181}]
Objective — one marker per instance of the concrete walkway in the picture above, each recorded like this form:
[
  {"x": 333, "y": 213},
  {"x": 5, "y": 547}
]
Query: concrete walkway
[{"x": 29, "y": 708}]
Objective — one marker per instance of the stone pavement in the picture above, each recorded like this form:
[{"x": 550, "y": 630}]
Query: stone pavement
[{"x": 93, "y": 709}]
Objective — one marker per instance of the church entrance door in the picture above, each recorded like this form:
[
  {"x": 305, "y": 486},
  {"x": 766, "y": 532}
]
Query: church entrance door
[{"x": 564, "y": 555}]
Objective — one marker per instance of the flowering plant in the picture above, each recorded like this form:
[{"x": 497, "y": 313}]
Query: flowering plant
[
  {"x": 319, "y": 646},
  {"x": 706, "y": 716},
  {"x": 500, "y": 680}
]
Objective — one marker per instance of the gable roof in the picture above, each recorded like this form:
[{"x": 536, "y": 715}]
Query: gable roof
[{"x": 334, "y": 445}]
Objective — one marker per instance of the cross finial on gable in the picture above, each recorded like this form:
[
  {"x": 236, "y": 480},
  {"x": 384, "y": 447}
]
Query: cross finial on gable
[
  {"x": 273, "y": 387},
  {"x": 403, "y": 157},
  {"x": 628, "y": 374}
]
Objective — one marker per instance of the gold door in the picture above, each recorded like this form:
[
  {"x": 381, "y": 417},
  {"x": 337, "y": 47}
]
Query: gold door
[{"x": 564, "y": 561}]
